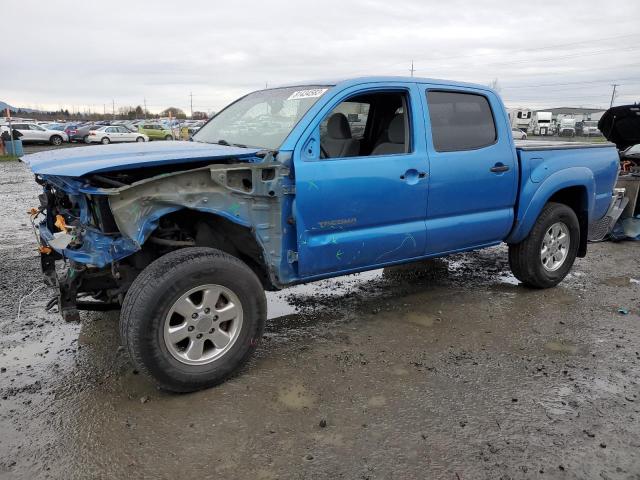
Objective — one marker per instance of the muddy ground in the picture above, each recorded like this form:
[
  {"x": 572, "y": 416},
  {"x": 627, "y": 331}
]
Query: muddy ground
[{"x": 448, "y": 369}]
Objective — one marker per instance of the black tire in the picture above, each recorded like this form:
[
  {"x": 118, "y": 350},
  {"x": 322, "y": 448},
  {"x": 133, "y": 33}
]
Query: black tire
[
  {"x": 524, "y": 257},
  {"x": 168, "y": 137},
  {"x": 155, "y": 291},
  {"x": 105, "y": 141},
  {"x": 85, "y": 139},
  {"x": 55, "y": 140},
  {"x": 140, "y": 139}
]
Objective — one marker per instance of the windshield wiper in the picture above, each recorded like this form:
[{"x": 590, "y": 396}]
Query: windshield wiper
[{"x": 227, "y": 144}]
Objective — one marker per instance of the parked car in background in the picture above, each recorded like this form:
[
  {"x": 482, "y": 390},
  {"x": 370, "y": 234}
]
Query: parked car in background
[
  {"x": 590, "y": 128},
  {"x": 115, "y": 134},
  {"x": 621, "y": 125},
  {"x": 60, "y": 127},
  {"x": 80, "y": 133},
  {"x": 156, "y": 131},
  {"x": 33, "y": 133},
  {"x": 632, "y": 153},
  {"x": 518, "y": 134}
]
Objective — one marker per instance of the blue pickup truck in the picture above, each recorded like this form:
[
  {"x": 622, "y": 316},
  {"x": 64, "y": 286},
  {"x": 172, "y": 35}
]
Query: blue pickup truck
[{"x": 294, "y": 184}]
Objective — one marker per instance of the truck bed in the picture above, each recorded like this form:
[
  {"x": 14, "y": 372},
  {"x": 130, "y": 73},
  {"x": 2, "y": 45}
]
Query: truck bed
[{"x": 551, "y": 145}]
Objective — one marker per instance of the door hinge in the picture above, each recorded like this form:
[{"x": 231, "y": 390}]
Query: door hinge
[{"x": 292, "y": 256}]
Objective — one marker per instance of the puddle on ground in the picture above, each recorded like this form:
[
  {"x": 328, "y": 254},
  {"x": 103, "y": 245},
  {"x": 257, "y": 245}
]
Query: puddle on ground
[
  {"x": 561, "y": 346},
  {"x": 620, "y": 281},
  {"x": 421, "y": 319},
  {"x": 279, "y": 305}
]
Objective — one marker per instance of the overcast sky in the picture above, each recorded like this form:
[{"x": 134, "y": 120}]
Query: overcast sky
[{"x": 84, "y": 54}]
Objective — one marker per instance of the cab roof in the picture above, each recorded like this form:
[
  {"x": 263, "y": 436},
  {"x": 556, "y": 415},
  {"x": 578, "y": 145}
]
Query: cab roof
[{"x": 350, "y": 81}]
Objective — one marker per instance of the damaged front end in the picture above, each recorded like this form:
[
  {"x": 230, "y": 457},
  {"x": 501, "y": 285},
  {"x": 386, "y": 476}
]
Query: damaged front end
[
  {"x": 97, "y": 232},
  {"x": 73, "y": 225}
]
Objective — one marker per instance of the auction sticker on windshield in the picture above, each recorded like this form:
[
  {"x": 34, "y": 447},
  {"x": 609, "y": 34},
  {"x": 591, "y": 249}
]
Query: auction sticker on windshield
[{"x": 311, "y": 93}]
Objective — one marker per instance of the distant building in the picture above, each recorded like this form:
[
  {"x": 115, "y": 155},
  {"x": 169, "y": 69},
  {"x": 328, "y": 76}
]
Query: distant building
[{"x": 579, "y": 113}]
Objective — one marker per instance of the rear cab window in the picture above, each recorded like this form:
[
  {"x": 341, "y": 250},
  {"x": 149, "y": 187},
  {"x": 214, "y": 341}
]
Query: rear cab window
[{"x": 460, "y": 121}]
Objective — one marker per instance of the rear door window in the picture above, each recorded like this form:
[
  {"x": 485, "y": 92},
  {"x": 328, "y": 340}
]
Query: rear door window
[{"x": 460, "y": 121}]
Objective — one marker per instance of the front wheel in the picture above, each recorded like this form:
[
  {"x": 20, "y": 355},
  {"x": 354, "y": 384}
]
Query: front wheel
[
  {"x": 55, "y": 140},
  {"x": 105, "y": 141},
  {"x": 544, "y": 258},
  {"x": 140, "y": 139},
  {"x": 192, "y": 318},
  {"x": 168, "y": 137}
]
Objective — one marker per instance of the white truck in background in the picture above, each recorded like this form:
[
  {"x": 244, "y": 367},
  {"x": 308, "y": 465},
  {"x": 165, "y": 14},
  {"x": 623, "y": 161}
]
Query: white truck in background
[
  {"x": 541, "y": 123},
  {"x": 567, "y": 127}
]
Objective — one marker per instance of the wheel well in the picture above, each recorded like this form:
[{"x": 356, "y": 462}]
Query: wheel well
[
  {"x": 209, "y": 230},
  {"x": 576, "y": 199}
]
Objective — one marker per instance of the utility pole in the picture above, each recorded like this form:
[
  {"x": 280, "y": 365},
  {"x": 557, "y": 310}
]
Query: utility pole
[
  {"x": 412, "y": 69},
  {"x": 191, "y": 97},
  {"x": 145, "y": 108},
  {"x": 613, "y": 94}
]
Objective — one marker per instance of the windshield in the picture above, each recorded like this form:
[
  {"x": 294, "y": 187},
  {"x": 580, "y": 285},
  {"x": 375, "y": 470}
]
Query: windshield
[{"x": 261, "y": 119}]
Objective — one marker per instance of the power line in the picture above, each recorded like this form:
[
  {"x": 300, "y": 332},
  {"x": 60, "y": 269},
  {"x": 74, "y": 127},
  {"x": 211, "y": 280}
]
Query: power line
[
  {"x": 572, "y": 83},
  {"x": 585, "y": 42}
]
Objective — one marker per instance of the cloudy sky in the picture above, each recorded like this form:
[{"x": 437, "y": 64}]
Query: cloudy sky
[{"x": 86, "y": 54}]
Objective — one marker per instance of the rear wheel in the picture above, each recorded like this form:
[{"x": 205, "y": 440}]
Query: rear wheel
[
  {"x": 192, "y": 318},
  {"x": 140, "y": 139},
  {"x": 85, "y": 139},
  {"x": 105, "y": 141},
  {"x": 168, "y": 137},
  {"x": 544, "y": 258},
  {"x": 55, "y": 140}
]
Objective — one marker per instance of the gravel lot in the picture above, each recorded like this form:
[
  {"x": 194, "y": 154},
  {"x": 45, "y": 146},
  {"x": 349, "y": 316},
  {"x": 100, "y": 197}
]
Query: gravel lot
[{"x": 445, "y": 369}]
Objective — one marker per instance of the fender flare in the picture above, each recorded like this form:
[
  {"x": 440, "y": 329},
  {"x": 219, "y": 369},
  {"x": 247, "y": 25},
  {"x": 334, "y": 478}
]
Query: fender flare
[{"x": 565, "y": 178}]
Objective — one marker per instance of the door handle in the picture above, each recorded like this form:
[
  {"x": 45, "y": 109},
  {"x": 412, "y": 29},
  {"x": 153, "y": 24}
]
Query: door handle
[
  {"x": 499, "y": 168},
  {"x": 412, "y": 173}
]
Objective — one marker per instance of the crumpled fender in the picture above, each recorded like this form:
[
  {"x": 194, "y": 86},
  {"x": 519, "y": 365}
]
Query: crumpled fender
[
  {"x": 242, "y": 193},
  {"x": 534, "y": 196}
]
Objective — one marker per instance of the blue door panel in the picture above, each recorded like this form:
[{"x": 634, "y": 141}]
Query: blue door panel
[
  {"x": 360, "y": 212},
  {"x": 357, "y": 212},
  {"x": 452, "y": 233},
  {"x": 468, "y": 203}
]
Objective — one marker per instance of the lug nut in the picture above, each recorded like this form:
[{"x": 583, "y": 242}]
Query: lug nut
[
  {"x": 194, "y": 315},
  {"x": 190, "y": 329},
  {"x": 211, "y": 331},
  {"x": 207, "y": 310},
  {"x": 215, "y": 317},
  {"x": 199, "y": 335}
]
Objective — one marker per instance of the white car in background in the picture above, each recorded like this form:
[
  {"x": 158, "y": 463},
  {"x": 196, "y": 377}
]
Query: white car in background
[
  {"x": 518, "y": 134},
  {"x": 34, "y": 133},
  {"x": 115, "y": 134}
]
